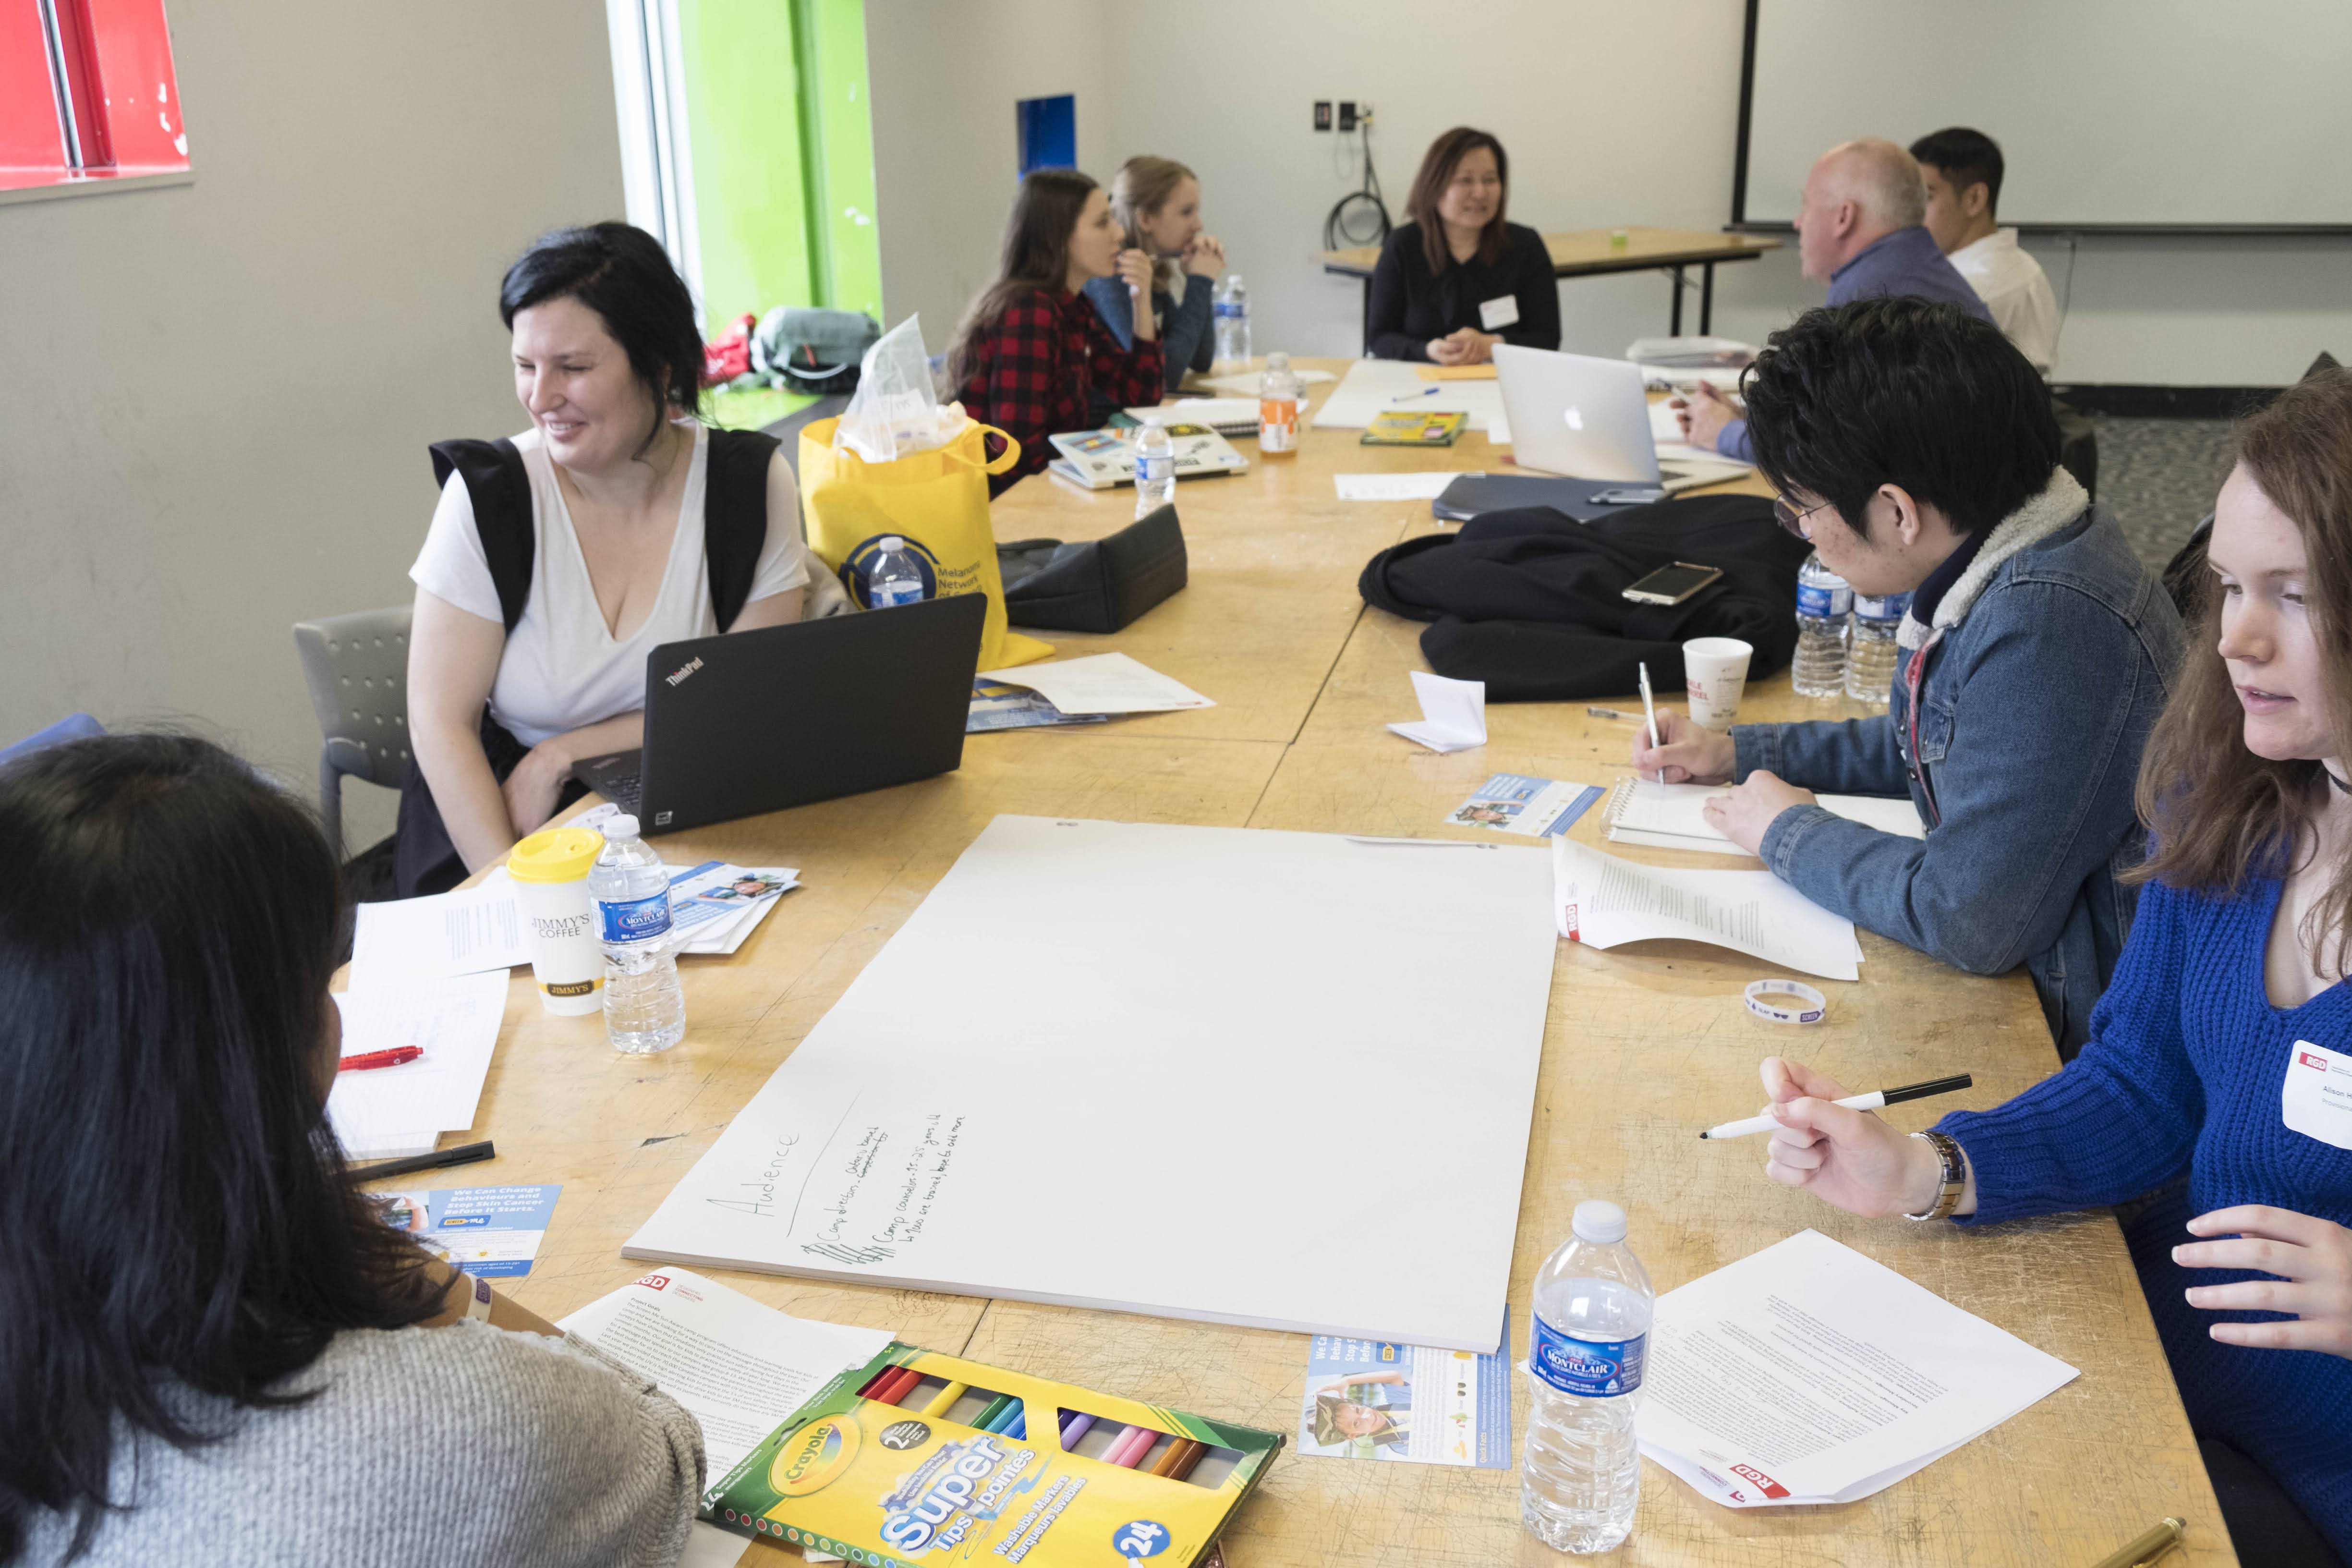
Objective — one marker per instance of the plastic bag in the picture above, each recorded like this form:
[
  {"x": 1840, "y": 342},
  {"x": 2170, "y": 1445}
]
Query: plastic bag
[{"x": 895, "y": 411}]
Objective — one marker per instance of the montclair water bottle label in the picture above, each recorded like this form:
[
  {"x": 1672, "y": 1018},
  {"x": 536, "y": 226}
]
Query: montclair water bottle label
[
  {"x": 1819, "y": 602},
  {"x": 636, "y": 920},
  {"x": 1593, "y": 1368}
]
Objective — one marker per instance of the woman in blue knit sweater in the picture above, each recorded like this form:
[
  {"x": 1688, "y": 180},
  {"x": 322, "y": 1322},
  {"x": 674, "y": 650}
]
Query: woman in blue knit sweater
[{"x": 2218, "y": 1072}]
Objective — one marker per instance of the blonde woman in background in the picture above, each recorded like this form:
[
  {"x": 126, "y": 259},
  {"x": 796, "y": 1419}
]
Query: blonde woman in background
[{"x": 1158, "y": 202}]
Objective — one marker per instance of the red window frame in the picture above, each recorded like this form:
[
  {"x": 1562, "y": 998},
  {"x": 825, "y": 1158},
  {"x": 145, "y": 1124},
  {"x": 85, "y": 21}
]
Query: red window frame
[{"x": 88, "y": 93}]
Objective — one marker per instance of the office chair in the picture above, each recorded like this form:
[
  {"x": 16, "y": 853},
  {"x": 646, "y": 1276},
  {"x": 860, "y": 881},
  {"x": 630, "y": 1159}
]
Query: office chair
[{"x": 357, "y": 669}]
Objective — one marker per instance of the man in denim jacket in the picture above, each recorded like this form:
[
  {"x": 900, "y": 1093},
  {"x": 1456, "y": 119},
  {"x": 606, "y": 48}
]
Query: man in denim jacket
[{"x": 1916, "y": 450}]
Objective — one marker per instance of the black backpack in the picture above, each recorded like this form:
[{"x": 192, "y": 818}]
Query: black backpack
[{"x": 734, "y": 514}]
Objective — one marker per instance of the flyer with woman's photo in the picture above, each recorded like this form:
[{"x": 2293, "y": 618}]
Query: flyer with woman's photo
[
  {"x": 1372, "y": 1399},
  {"x": 1512, "y": 803}
]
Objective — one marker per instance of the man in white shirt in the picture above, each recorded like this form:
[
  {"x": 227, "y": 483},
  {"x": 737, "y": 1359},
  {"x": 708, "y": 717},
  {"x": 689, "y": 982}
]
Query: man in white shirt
[{"x": 1963, "y": 170}]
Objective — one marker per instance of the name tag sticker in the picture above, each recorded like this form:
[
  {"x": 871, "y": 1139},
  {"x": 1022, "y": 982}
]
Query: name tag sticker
[
  {"x": 2316, "y": 1098},
  {"x": 1499, "y": 313}
]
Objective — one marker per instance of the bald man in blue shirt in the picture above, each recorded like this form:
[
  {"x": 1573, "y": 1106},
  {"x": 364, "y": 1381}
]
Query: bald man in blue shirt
[{"x": 1861, "y": 229}]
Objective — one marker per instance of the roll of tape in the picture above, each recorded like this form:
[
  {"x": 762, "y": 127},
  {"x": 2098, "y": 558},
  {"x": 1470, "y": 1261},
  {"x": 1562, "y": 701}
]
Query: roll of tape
[{"x": 1786, "y": 1001}]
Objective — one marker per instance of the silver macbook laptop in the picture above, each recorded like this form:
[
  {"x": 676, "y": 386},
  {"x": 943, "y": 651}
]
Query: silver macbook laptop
[{"x": 1589, "y": 418}]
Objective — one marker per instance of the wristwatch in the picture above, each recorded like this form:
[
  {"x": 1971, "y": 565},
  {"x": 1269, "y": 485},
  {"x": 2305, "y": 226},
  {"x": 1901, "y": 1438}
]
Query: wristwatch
[
  {"x": 478, "y": 1296},
  {"x": 1955, "y": 1173}
]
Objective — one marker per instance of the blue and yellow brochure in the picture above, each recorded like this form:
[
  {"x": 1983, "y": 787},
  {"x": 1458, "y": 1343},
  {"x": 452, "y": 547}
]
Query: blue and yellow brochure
[
  {"x": 884, "y": 1486},
  {"x": 1373, "y": 1399}
]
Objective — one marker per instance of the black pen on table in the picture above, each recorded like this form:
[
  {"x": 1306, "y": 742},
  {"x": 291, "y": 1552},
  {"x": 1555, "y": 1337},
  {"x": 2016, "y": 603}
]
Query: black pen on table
[{"x": 456, "y": 1154}]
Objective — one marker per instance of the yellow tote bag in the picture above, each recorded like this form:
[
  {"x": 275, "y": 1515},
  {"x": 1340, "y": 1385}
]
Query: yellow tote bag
[{"x": 936, "y": 501}]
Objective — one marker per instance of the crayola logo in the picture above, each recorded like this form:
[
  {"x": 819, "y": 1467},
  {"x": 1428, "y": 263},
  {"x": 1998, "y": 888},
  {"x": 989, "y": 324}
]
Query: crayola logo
[{"x": 814, "y": 1457}]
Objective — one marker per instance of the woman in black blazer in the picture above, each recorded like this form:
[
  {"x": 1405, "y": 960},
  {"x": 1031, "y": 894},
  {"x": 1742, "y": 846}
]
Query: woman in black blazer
[{"x": 1457, "y": 279}]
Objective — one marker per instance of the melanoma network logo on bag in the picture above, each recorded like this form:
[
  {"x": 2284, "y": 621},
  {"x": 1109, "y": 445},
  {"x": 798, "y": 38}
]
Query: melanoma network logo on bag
[{"x": 858, "y": 566}]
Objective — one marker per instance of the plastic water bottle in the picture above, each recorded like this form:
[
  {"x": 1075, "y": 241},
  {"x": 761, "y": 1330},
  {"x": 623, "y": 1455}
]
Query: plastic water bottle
[
  {"x": 645, "y": 1007},
  {"x": 1229, "y": 308},
  {"x": 1155, "y": 469},
  {"x": 1871, "y": 654},
  {"x": 1278, "y": 391},
  {"x": 895, "y": 579},
  {"x": 1581, "y": 1475},
  {"x": 1822, "y": 601}
]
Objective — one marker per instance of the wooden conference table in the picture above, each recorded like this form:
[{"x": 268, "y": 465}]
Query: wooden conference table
[
  {"x": 1643, "y": 1046},
  {"x": 1591, "y": 252}
]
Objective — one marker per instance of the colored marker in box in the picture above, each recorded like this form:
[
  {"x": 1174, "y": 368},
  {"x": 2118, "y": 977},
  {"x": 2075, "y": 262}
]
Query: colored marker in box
[{"x": 854, "y": 1474}]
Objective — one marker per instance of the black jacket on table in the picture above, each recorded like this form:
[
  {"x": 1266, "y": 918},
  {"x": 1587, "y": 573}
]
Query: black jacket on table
[{"x": 1409, "y": 306}]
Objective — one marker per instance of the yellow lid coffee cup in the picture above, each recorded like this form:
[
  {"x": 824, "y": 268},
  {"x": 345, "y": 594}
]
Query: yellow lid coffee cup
[{"x": 555, "y": 855}]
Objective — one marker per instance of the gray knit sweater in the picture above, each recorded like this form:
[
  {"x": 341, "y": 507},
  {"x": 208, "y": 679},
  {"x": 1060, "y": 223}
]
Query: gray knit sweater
[{"x": 441, "y": 1447}]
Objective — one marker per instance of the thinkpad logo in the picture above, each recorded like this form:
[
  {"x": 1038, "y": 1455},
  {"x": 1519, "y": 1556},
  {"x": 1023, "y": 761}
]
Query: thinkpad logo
[{"x": 688, "y": 668}]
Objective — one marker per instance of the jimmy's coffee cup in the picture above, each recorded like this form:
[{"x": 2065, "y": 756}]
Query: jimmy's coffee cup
[
  {"x": 550, "y": 870},
  {"x": 1717, "y": 671}
]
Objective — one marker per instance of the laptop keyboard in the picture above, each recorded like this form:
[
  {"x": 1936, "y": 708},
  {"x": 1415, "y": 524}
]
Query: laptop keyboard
[{"x": 621, "y": 788}]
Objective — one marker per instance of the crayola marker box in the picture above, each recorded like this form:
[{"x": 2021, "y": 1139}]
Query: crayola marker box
[{"x": 887, "y": 1487}]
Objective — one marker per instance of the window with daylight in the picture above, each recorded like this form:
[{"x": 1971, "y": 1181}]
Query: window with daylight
[{"x": 87, "y": 97}]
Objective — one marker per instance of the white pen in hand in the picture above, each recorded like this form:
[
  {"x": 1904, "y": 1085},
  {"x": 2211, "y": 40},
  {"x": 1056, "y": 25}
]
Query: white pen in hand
[
  {"x": 1649, "y": 709},
  {"x": 1876, "y": 1099}
]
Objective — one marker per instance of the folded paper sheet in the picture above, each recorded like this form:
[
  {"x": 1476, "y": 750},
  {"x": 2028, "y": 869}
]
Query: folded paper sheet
[{"x": 1453, "y": 713}]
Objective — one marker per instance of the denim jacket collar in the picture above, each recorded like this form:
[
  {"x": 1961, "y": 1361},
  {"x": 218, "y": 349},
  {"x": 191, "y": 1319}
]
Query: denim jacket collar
[{"x": 2061, "y": 501}]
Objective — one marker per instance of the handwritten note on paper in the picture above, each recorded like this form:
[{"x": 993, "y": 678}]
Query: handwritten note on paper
[{"x": 853, "y": 1192}]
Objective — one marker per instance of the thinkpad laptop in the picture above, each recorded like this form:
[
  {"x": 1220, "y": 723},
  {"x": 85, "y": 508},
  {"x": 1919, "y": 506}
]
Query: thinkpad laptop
[{"x": 759, "y": 720}]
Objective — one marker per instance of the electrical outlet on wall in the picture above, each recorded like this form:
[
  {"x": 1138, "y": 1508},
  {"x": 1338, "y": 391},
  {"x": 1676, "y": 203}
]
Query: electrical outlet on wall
[
  {"x": 1347, "y": 114},
  {"x": 1322, "y": 114}
]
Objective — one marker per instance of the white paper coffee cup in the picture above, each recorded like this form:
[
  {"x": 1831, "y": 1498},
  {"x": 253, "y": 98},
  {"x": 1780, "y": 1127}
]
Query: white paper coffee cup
[
  {"x": 1716, "y": 669},
  {"x": 550, "y": 870}
]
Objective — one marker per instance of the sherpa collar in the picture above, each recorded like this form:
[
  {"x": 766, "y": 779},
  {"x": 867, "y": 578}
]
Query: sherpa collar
[{"x": 2062, "y": 500}]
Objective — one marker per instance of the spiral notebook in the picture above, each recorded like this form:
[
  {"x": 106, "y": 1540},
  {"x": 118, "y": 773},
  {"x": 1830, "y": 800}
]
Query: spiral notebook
[{"x": 1672, "y": 816}]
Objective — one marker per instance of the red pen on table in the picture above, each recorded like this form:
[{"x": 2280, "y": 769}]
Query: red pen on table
[{"x": 397, "y": 1056}]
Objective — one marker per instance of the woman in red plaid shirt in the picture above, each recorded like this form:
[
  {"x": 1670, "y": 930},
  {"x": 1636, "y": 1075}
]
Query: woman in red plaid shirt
[{"x": 1032, "y": 349}]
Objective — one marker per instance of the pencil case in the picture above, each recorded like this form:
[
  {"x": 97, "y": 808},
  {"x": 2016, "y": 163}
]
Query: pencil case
[{"x": 917, "y": 1458}]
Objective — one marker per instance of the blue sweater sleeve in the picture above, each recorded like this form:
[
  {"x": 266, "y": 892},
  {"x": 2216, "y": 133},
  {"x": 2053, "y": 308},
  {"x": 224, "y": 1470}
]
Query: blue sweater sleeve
[
  {"x": 2117, "y": 1119},
  {"x": 1733, "y": 443},
  {"x": 1185, "y": 336}
]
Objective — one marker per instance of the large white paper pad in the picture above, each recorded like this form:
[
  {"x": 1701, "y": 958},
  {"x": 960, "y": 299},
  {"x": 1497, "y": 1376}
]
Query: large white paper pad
[
  {"x": 1453, "y": 713},
  {"x": 1427, "y": 486},
  {"x": 437, "y": 937},
  {"x": 1674, "y": 817},
  {"x": 383, "y": 1112},
  {"x": 738, "y": 1367},
  {"x": 1113, "y": 1065},
  {"x": 1601, "y": 902},
  {"x": 1809, "y": 1373},
  {"x": 1374, "y": 386},
  {"x": 1101, "y": 683}
]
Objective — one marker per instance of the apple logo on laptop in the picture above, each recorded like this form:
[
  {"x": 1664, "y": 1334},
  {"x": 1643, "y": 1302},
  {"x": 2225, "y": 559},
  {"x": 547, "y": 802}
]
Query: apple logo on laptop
[{"x": 1575, "y": 418}]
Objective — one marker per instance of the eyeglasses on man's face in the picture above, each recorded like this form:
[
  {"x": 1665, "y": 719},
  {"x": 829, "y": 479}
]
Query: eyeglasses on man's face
[{"x": 1792, "y": 518}]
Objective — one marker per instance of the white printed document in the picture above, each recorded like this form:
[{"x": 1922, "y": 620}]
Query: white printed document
[
  {"x": 437, "y": 938},
  {"x": 381, "y": 1112},
  {"x": 1601, "y": 901},
  {"x": 1808, "y": 1373},
  {"x": 738, "y": 1367},
  {"x": 1453, "y": 713},
  {"x": 1674, "y": 817},
  {"x": 1101, "y": 683},
  {"x": 1427, "y": 486}
]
